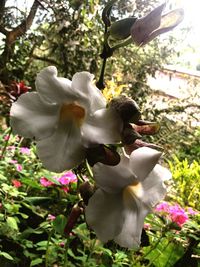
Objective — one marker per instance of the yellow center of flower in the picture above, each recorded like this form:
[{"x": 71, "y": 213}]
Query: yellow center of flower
[
  {"x": 72, "y": 112},
  {"x": 132, "y": 191}
]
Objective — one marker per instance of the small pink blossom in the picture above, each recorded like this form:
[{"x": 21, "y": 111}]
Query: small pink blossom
[
  {"x": 16, "y": 183},
  {"x": 174, "y": 212},
  {"x": 25, "y": 150},
  {"x": 19, "y": 167},
  {"x": 13, "y": 161},
  {"x": 163, "y": 206},
  {"x": 45, "y": 182},
  {"x": 51, "y": 217},
  {"x": 6, "y": 137},
  {"x": 147, "y": 226},
  {"x": 63, "y": 180},
  {"x": 178, "y": 215},
  {"x": 67, "y": 178}
]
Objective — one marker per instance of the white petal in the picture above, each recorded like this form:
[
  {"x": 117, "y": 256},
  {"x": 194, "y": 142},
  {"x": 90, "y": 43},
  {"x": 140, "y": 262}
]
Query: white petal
[
  {"x": 143, "y": 160},
  {"x": 113, "y": 178},
  {"x": 52, "y": 88},
  {"x": 82, "y": 83},
  {"x": 103, "y": 214},
  {"x": 104, "y": 127},
  {"x": 154, "y": 187},
  {"x": 32, "y": 118},
  {"x": 134, "y": 216},
  {"x": 63, "y": 150}
]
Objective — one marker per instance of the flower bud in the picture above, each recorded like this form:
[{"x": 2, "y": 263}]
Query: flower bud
[
  {"x": 149, "y": 27},
  {"x": 149, "y": 128},
  {"x": 73, "y": 217},
  {"x": 129, "y": 135},
  {"x": 121, "y": 29},
  {"x": 86, "y": 191},
  {"x": 129, "y": 148},
  {"x": 127, "y": 109},
  {"x": 102, "y": 154}
]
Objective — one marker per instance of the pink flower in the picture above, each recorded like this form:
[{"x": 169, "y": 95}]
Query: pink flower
[
  {"x": 45, "y": 182},
  {"x": 25, "y": 150},
  {"x": 178, "y": 215},
  {"x": 174, "y": 212},
  {"x": 19, "y": 167},
  {"x": 147, "y": 226},
  {"x": 63, "y": 180},
  {"x": 51, "y": 217},
  {"x": 163, "y": 206},
  {"x": 67, "y": 178},
  {"x": 6, "y": 137},
  {"x": 16, "y": 183},
  {"x": 13, "y": 161}
]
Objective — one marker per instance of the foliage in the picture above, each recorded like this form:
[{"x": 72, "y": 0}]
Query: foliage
[
  {"x": 186, "y": 177},
  {"x": 34, "y": 217}
]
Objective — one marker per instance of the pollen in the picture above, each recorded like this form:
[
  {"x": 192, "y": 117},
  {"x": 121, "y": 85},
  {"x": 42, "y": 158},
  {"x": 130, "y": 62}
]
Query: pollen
[
  {"x": 132, "y": 191},
  {"x": 73, "y": 112}
]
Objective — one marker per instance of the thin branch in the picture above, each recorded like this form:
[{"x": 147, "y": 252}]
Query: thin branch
[
  {"x": 45, "y": 59},
  {"x": 24, "y": 26},
  {"x": 179, "y": 108},
  {"x": 2, "y": 8}
]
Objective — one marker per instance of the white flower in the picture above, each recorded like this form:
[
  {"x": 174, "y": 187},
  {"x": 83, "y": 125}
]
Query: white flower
[
  {"x": 64, "y": 117},
  {"x": 149, "y": 27},
  {"x": 126, "y": 194}
]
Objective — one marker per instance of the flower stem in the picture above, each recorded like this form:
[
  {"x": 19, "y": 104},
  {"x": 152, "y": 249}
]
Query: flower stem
[
  {"x": 47, "y": 249},
  {"x": 100, "y": 84}
]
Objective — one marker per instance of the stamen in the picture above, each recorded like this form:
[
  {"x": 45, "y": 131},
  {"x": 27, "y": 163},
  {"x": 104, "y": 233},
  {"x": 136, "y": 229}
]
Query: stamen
[
  {"x": 72, "y": 112},
  {"x": 132, "y": 191}
]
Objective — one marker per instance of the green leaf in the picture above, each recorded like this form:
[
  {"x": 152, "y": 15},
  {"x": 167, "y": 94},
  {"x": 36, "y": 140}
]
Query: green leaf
[
  {"x": 6, "y": 255},
  {"x": 36, "y": 262},
  {"x": 12, "y": 223},
  {"x": 31, "y": 183},
  {"x": 37, "y": 200},
  {"x": 59, "y": 223}
]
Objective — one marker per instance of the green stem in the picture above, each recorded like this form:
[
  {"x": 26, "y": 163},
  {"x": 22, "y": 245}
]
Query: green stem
[
  {"x": 89, "y": 170},
  {"x": 65, "y": 254},
  {"x": 122, "y": 44},
  {"x": 6, "y": 143},
  {"x": 100, "y": 84},
  {"x": 47, "y": 249},
  {"x": 91, "y": 249}
]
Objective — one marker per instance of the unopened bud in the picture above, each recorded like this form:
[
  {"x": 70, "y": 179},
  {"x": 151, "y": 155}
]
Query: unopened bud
[
  {"x": 127, "y": 109},
  {"x": 129, "y": 135},
  {"x": 102, "y": 154},
  {"x": 86, "y": 191},
  {"x": 73, "y": 217},
  {"x": 149, "y": 128},
  {"x": 139, "y": 143},
  {"x": 121, "y": 29}
]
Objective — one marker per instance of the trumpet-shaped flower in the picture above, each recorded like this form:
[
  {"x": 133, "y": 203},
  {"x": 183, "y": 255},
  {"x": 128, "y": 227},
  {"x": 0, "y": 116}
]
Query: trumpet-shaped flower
[
  {"x": 64, "y": 117},
  {"x": 126, "y": 194},
  {"x": 149, "y": 27}
]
